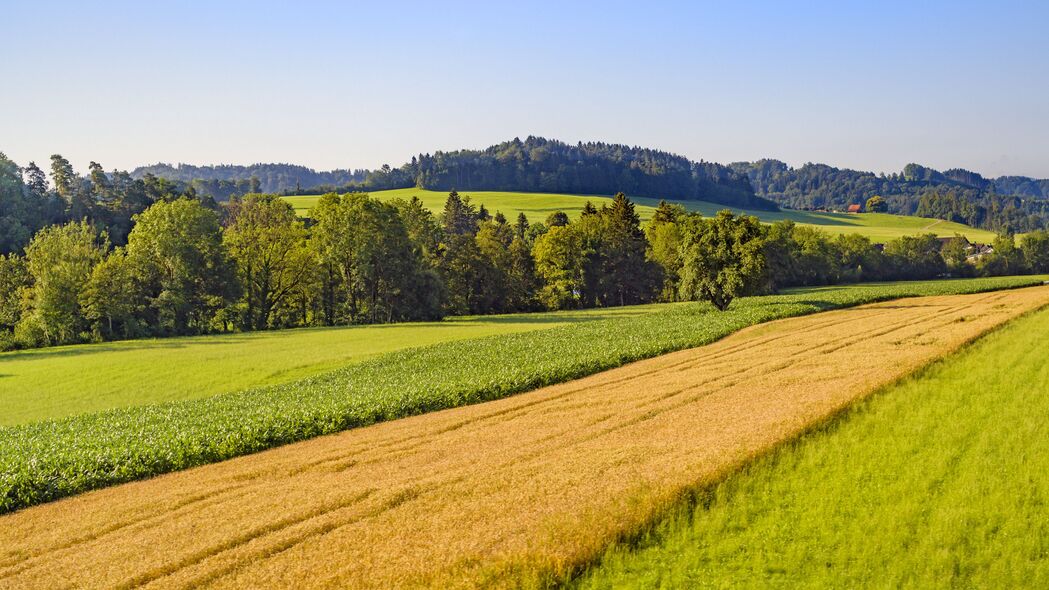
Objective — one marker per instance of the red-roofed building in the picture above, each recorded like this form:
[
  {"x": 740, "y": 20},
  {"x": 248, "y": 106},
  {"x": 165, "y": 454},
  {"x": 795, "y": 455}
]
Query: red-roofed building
[{"x": 855, "y": 209}]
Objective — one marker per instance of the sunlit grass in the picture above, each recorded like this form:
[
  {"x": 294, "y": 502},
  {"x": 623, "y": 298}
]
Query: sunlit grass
[
  {"x": 69, "y": 380},
  {"x": 940, "y": 482}
]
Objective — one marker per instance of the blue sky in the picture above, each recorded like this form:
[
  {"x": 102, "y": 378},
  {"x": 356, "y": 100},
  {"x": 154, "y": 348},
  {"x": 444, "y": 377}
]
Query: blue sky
[{"x": 865, "y": 85}]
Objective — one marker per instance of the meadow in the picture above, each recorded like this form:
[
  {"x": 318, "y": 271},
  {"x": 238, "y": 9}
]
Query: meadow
[
  {"x": 46, "y": 460},
  {"x": 938, "y": 482},
  {"x": 880, "y": 227},
  {"x": 65, "y": 381},
  {"x": 536, "y": 484}
]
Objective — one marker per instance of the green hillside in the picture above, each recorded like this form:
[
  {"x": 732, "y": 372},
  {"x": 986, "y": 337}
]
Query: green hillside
[
  {"x": 69, "y": 380},
  {"x": 880, "y": 227}
]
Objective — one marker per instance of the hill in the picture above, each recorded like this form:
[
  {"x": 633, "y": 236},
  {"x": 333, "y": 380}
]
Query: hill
[
  {"x": 533, "y": 165},
  {"x": 880, "y": 227},
  {"x": 1013, "y": 203}
]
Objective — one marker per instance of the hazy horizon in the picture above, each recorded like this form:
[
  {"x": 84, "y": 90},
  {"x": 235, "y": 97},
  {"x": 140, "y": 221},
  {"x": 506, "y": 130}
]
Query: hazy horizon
[{"x": 947, "y": 85}]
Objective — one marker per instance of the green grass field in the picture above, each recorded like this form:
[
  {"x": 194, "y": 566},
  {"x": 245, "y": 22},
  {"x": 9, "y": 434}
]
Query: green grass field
[
  {"x": 69, "y": 380},
  {"x": 940, "y": 482},
  {"x": 46, "y": 460},
  {"x": 880, "y": 227}
]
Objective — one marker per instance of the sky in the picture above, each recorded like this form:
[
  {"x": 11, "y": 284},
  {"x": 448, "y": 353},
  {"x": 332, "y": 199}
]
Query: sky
[{"x": 865, "y": 85}]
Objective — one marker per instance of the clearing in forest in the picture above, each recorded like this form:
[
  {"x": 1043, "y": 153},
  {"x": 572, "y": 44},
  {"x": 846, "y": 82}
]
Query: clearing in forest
[{"x": 517, "y": 490}]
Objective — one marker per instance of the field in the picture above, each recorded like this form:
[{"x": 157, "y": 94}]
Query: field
[
  {"x": 880, "y": 227},
  {"x": 525, "y": 489},
  {"x": 43, "y": 461},
  {"x": 940, "y": 482},
  {"x": 70, "y": 380}
]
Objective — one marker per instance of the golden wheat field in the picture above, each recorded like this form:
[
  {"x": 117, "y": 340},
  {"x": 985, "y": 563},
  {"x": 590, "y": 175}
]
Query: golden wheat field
[{"x": 512, "y": 492}]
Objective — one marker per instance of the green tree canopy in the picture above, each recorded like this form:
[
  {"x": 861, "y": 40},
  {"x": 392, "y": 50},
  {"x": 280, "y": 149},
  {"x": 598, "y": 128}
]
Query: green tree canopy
[
  {"x": 723, "y": 258},
  {"x": 179, "y": 259}
]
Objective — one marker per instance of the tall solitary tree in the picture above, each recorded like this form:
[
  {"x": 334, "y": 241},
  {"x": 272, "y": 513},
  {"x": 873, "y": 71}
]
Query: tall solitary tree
[{"x": 723, "y": 258}]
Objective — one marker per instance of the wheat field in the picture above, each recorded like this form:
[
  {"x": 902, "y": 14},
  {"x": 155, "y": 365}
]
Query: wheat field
[{"x": 520, "y": 491}]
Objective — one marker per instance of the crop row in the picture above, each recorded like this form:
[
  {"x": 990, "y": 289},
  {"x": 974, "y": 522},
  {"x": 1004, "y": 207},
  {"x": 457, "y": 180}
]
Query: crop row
[{"x": 47, "y": 460}]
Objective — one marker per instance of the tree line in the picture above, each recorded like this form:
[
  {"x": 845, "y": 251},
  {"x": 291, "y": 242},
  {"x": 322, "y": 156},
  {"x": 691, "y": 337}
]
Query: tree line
[{"x": 189, "y": 266}]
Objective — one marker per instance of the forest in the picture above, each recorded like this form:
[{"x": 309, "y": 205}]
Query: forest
[
  {"x": 104, "y": 257},
  {"x": 1006, "y": 204},
  {"x": 533, "y": 165}
]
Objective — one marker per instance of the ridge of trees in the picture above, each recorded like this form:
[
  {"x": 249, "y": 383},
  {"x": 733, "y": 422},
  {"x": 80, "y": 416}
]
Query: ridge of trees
[{"x": 533, "y": 165}]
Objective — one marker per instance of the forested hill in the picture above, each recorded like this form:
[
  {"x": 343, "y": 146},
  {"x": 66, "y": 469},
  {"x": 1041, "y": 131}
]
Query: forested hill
[
  {"x": 1008, "y": 203},
  {"x": 533, "y": 165},
  {"x": 223, "y": 180}
]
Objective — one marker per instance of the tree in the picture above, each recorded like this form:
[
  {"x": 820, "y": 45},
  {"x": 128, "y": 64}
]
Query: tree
[
  {"x": 557, "y": 219},
  {"x": 1035, "y": 247},
  {"x": 915, "y": 257},
  {"x": 16, "y": 218},
  {"x": 816, "y": 259},
  {"x": 459, "y": 217},
  {"x": 422, "y": 226},
  {"x": 268, "y": 245},
  {"x": 781, "y": 252},
  {"x": 372, "y": 271},
  {"x": 177, "y": 252},
  {"x": 112, "y": 299},
  {"x": 14, "y": 282},
  {"x": 63, "y": 177},
  {"x": 723, "y": 258},
  {"x": 59, "y": 260},
  {"x": 473, "y": 282},
  {"x": 664, "y": 245},
  {"x": 859, "y": 259},
  {"x": 628, "y": 277},
  {"x": 559, "y": 263},
  {"x": 876, "y": 204},
  {"x": 1005, "y": 258},
  {"x": 955, "y": 253},
  {"x": 521, "y": 227}
]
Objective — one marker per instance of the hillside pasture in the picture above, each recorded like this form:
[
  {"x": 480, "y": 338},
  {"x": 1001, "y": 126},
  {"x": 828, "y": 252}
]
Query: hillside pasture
[
  {"x": 880, "y": 227},
  {"x": 938, "y": 482},
  {"x": 518, "y": 491}
]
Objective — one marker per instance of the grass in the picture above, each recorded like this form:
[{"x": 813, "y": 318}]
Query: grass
[
  {"x": 69, "y": 380},
  {"x": 939, "y": 482},
  {"x": 501, "y": 494},
  {"x": 46, "y": 460},
  {"x": 880, "y": 227}
]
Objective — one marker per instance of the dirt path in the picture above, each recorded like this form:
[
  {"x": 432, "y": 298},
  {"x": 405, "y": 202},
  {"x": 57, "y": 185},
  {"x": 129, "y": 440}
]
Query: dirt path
[{"x": 491, "y": 493}]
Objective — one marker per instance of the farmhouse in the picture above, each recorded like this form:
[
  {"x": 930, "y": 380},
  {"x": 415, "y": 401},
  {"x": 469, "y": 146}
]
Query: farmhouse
[
  {"x": 978, "y": 251},
  {"x": 855, "y": 209}
]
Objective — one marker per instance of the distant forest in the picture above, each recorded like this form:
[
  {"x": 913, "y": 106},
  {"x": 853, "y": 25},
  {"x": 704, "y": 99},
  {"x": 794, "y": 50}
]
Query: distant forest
[
  {"x": 1004, "y": 204},
  {"x": 533, "y": 165},
  {"x": 1008, "y": 203}
]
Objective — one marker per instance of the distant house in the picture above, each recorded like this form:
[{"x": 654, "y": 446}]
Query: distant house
[
  {"x": 855, "y": 209},
  {"x": 965, "y": 242},
  {"x": 978, "y": 251}
]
